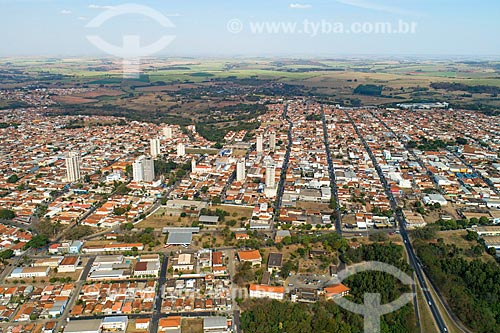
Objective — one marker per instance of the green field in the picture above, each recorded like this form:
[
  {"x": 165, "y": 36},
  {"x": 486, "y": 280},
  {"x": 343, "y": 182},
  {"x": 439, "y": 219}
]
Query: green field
[{"x": 334, "y": 79}]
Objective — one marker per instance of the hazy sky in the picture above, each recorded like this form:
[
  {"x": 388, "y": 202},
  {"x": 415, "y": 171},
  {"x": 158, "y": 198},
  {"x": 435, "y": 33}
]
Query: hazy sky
[{"x": 443, "y": 27}]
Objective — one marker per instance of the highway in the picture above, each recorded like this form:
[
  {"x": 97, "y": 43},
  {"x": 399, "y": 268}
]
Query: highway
[
  {"x": 331, "y": 173},
  {"x": 414, "y": 262}
]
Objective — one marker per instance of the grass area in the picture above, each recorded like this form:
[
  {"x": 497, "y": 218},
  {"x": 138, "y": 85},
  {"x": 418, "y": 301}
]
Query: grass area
[
  {"x": 98, "y": 242},
  {"x": 457, "y": 237},
  {"x": 192, "y": 325},
  {"x": 336, "y": 79},
  {"x": 313, "y": 205},
  {"x": 427, "y": 323},
  {"x": 202, "y": 151},
  {"x": 161, "y": 218},
  {"x": 235, "y": 211},
  {"x": 450, "y": 324}
]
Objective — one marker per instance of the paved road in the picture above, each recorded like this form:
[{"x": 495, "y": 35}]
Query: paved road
[
  {"x": 158, "y": 300},
  {"x": 74, "y": 297},
  {"x": 284, "y": 168},
  {"x": 331, "y": 173},
  {"x": 236, "y": 321},
  {"x": 404, "y": 234}
]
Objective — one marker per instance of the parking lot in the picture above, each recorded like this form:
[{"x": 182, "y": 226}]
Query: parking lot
[{"x": 309, "y": 281}]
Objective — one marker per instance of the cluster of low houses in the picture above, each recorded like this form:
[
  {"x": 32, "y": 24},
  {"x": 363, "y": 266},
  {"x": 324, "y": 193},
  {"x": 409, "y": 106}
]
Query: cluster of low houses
[
  {"x": 118, "y": 324},
  {"x": 197, "y": 294},
  {"x": 115, "y": 298},
  {"x": 14, "y": 239},
  {"x": 40, "y": 268},
  {"x": 25, "y": 303}
]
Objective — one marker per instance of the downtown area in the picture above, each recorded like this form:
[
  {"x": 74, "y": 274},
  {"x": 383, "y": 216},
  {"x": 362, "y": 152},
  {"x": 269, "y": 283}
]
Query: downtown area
[{"x": 116, "y": 225}]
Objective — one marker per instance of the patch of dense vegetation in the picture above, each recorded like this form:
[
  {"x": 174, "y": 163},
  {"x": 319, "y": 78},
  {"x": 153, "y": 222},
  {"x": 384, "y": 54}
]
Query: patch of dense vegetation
[
  {"x": 454, "y": 86},
  {"x": 428, "y": 145},
  {"x": 36, "y": 242},
  {"x": 461, "y": 224},
  {"x": 116, "y": 111},
  {"x": 213, "y": 133},
  {"x": 470, "y": 286},
  {"x": 6, "y": 125},
  {"x": 13, "y": 105},
  {"x": 489, "y": 110},
  {"x": 7, "y": 214},
  {"x": 368, "y": 90},
  {"x": 313, "y": 117}
]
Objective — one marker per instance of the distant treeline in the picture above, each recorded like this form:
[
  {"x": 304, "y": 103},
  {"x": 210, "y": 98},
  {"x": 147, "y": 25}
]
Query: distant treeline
[
  {"x": 14, "y": 105},
  {"x": 368, "y": 90},
  {"x": 310, "y": 69},
  {"x": 111, "y": 110},
  {"x": 454, "y": 86},
  {"x": 256, "y": 109},
  {"x": 489, "y": 110}
]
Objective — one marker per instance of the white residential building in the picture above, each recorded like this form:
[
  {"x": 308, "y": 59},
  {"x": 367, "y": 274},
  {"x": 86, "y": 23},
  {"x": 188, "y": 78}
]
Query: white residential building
[
  {"x": 181, "y": 150},
  {"x": 73, "y": 167},
  {"x": 272, "y": 141},
  {"x": 260, "y": 143},
  {"x": 264, "y": 291},
  {"x": 240, "y": 170},
  {"x": 155, "y": 147},
  {"x": 143, "y": 169},
  {"x": 167, "y": 132}
]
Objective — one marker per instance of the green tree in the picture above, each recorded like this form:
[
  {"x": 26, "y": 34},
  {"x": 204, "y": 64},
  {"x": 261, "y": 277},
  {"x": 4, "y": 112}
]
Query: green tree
[
  {"x": 6, "y": 254},
  {"x": 7, "y": 214},
  {"x": 37, "y": 241},
  {"x": 13, "y": 179}
]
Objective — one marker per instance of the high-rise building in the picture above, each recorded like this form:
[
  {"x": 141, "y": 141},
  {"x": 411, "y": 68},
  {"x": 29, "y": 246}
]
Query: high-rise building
[
  {"x": 143, "y": 169},
  {"x": 193, "y": 165},
  {"x": 272, "y": 141},
  {"x": 270, "y": 172},
  {"x": 240, "y": 170},
  {"x": 181, "y": 150},
  {"x": 73, "y": 167},
  {"x": 167, "y": 132},
  {"x": 259, "y": 145},
  {"x": 155, "y": 147}
]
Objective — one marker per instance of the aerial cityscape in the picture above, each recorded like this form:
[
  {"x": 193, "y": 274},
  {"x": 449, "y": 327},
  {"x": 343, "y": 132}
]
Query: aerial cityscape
[{"x": 265, "y": 190}]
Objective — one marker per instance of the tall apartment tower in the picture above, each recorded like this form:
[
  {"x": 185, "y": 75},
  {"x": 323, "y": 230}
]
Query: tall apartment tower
[
  {"x": 193, "y": 165},
  {"x": 240, "y": 170},
  {"x": 181, "y": 150},
  {"x": 167, "y": 132},
  {"x": 272, "y": 141},
  {"x": 143, "y": 169},
  {"x": 155, "y": 147},
  {"x": 260, "y": 144},
  {"x": 270, "y": 172},
  {"x": 73, "y": 167}
]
